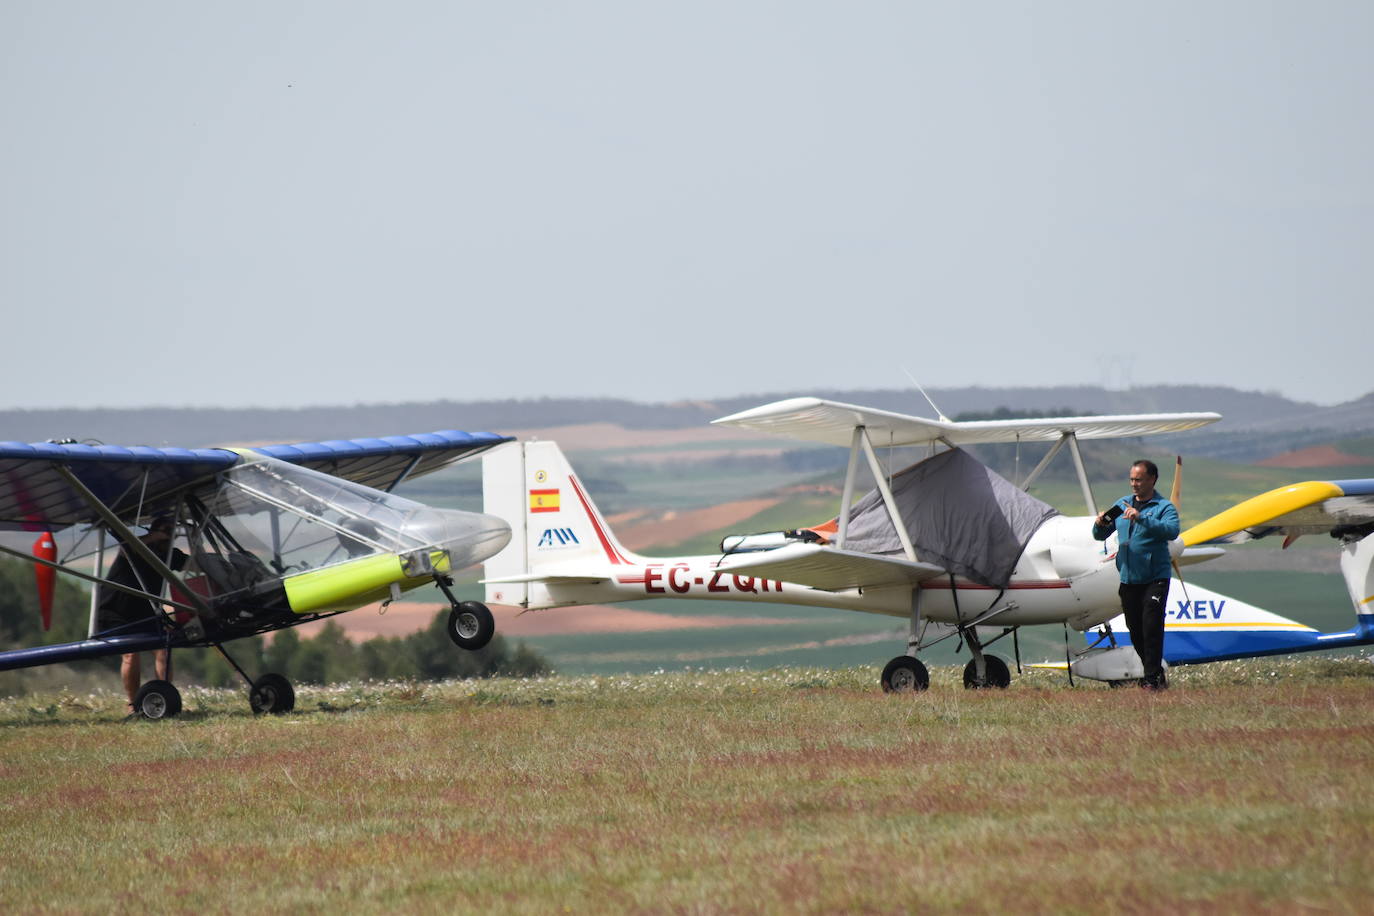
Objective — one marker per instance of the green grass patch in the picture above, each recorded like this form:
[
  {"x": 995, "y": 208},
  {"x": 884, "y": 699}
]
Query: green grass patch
[{"x": 787, "y": 789}]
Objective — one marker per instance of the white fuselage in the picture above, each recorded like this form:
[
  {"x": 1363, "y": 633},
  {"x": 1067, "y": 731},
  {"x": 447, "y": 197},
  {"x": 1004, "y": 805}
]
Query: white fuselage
[{"x": 1062, "y": 576}]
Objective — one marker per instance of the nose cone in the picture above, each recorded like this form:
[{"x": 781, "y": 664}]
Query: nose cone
[{"x": 468, "y": 537}]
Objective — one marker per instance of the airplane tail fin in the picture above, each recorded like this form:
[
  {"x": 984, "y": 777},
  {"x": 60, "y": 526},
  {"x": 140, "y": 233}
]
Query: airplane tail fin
[
  {"x": 556, "y": 529},
  {"x": 1357, "y": 568}
]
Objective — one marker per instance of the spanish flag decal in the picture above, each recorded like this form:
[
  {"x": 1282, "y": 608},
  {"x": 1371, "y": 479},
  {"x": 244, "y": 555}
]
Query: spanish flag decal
[{"x": 544, "y": 500}]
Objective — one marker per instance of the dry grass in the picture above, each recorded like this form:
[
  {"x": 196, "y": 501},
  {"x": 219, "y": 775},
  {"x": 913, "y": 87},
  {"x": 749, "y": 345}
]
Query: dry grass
[{"x": 1244, "y": 789}]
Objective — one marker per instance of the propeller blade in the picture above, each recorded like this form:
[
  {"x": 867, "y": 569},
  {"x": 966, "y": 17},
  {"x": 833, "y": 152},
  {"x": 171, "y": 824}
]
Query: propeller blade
[
  {"x": 1175, "y": 496},
  {"x": 46, "y": 577},
  {"x": 1177, "y": 492}
]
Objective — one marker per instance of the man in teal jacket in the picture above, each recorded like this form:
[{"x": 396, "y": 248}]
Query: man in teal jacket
[{"x": 1145, "y": 523}]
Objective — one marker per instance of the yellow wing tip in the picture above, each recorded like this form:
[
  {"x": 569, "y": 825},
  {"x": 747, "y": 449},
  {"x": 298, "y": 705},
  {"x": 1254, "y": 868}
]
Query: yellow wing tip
[{"x": 1257, "y": 510}]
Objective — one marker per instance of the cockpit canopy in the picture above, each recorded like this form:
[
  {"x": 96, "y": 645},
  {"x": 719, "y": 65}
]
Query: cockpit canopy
[{"x": 289, "y": 519}]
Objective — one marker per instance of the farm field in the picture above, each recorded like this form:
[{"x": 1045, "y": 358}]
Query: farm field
[{"x": 787, "y": 789}]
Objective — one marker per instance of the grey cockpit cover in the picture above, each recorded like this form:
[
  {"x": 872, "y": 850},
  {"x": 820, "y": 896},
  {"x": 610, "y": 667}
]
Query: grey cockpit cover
[{"x": 959, "y": 514}]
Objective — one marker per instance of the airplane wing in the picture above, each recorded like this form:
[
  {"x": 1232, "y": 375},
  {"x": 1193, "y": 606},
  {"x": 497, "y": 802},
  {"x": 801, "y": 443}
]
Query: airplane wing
[
  {"x": 833, "y": 422},
  {"x": 36, "y": 494},
  {"x": 384, "y": 462},
  {"x": 1311, "y": 507},
  {"x": 829, "y": 569},
  {"x": 138, "y": 481}
]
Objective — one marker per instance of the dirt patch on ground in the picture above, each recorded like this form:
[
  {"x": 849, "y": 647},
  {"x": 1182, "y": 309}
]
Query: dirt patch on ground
[
  {"x": 403, "y": 618},
  {"x": 641, "y": 529},
  {"x": 1318, "y": 456}
]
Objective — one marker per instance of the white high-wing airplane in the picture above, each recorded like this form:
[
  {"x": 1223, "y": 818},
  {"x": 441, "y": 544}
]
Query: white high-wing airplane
[{"x": 946, "y": 543}]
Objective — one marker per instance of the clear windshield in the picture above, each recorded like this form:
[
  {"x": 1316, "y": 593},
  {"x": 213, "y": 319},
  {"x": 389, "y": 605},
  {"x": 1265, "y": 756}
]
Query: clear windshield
[{"x": 292, "y": 519}]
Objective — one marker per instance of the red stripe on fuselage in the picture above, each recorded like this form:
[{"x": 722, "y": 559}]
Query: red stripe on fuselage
[
  {"x": 607, "y": 545},
  {"x": 974, "y": 586}
]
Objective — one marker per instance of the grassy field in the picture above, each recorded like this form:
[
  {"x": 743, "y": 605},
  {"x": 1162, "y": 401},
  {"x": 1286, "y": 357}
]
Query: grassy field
[{"x": 783, "y": 790}]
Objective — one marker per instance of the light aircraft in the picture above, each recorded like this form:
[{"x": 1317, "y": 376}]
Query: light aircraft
[
  {"x": 946, "y": 543},
  {"x": 1203, "y": 626},
  {"x": 275, "y": 536}
]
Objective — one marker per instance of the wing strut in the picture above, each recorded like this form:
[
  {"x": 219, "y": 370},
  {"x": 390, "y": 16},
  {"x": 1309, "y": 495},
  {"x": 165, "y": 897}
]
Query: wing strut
[
  {"x": 860, "y": 440},
  {"x": 129, "y": 540},
  {"x": 1044, "y": 462},
  {"x": 403, "y": 475},
  {"x": 1082, "y": 472},
  {"x": 848, "y": 496}
]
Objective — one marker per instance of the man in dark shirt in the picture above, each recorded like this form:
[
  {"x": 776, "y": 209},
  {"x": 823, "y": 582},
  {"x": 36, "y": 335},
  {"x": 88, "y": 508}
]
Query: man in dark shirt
[{"x": 124, "y": 613}]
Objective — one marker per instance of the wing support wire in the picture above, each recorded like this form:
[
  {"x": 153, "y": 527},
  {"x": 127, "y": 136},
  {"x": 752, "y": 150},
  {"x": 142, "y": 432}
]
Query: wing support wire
[
  {"x": 129, "y": 540},
  {"x": 103, "y": 583}
]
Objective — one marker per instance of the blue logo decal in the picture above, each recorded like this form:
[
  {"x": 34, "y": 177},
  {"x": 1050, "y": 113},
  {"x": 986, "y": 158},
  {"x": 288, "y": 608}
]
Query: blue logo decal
[
  {"x": 1200, "y": 610},
  {"x": 557, "y": 537}
]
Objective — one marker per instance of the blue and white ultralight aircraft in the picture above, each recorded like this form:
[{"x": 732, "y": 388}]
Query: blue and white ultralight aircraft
[{"x": 275, "y": 537}]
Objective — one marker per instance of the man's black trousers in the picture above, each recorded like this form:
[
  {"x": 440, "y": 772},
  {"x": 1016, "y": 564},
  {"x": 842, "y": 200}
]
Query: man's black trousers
[{"x": 1144, "y": 607}]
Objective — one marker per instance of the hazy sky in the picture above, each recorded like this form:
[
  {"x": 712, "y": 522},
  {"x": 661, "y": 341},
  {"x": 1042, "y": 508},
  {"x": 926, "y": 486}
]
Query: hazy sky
[{"x": 275, "y": 203}]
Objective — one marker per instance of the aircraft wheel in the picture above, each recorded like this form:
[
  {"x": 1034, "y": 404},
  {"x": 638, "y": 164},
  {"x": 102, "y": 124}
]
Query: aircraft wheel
[
  {"x": 157, "y": 700},
  {"x": 470, "y": 625},
  {"x": 998, "y": 674},
  {"x": 272, "y": 693},
  {"x": 905, "y": 674}
]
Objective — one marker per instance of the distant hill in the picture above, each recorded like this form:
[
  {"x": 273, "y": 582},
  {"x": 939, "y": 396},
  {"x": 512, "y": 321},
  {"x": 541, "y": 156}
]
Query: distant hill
[{"x": 1256, "y": 425}]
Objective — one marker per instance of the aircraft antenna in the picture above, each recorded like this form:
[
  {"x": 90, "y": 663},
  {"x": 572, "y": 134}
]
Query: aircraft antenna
[{"x": 938, "y": 412}]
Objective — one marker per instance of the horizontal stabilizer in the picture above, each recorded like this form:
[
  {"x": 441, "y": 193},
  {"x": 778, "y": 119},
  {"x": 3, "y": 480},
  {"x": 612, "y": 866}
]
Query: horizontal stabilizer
[
  {"x": 829, "y": 569},
  {"x": 1194, "y": 555}
]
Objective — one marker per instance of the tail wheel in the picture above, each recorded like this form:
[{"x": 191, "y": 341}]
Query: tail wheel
[
  {"x": 470, "y": 625},
  {"x": 905, "y": 674},
  {"x": 157, "y": 700},
  {"x": 998, "y": 675},
  {"x": 272, "y": 693}
]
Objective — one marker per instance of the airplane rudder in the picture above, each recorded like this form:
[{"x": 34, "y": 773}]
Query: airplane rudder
[
  {"x": 564, "y": 522},
  {"x": 1357, "y": 568}
]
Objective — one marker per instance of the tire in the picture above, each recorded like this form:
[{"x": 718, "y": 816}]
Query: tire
[
  {"x": 998, "y": 675},
  {"x": 157, "y": 700},
  {"x": 905, "y": 674},
  {"x": 471, "y": 625},
  {"x": 273, "y": 694}
]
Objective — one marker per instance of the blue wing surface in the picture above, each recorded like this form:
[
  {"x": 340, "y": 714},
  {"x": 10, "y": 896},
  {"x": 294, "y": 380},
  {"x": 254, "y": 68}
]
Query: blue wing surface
[
  {"x": 131, "y": 481},
  {"x": 139, "y": 481},
  {"x": 383, "y": 462}
]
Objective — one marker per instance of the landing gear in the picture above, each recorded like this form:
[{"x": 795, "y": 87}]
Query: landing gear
[
  {"x": 905, "y": 674},
  {"x": 157, "y": 700},
  {"x": 272, "y": 693},
  {"x": 471, "y": 625},
  {"x": 995, "y": 674}
]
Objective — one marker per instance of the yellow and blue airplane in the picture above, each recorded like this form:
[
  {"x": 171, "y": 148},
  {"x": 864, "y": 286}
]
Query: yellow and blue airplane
[
  {"x": 275, "y": 537},
  {"x": 1204, "y": 626}
]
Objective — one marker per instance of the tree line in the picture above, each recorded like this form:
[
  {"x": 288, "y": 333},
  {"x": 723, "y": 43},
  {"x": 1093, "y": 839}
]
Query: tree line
[{"x": 327, "y": 657}]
